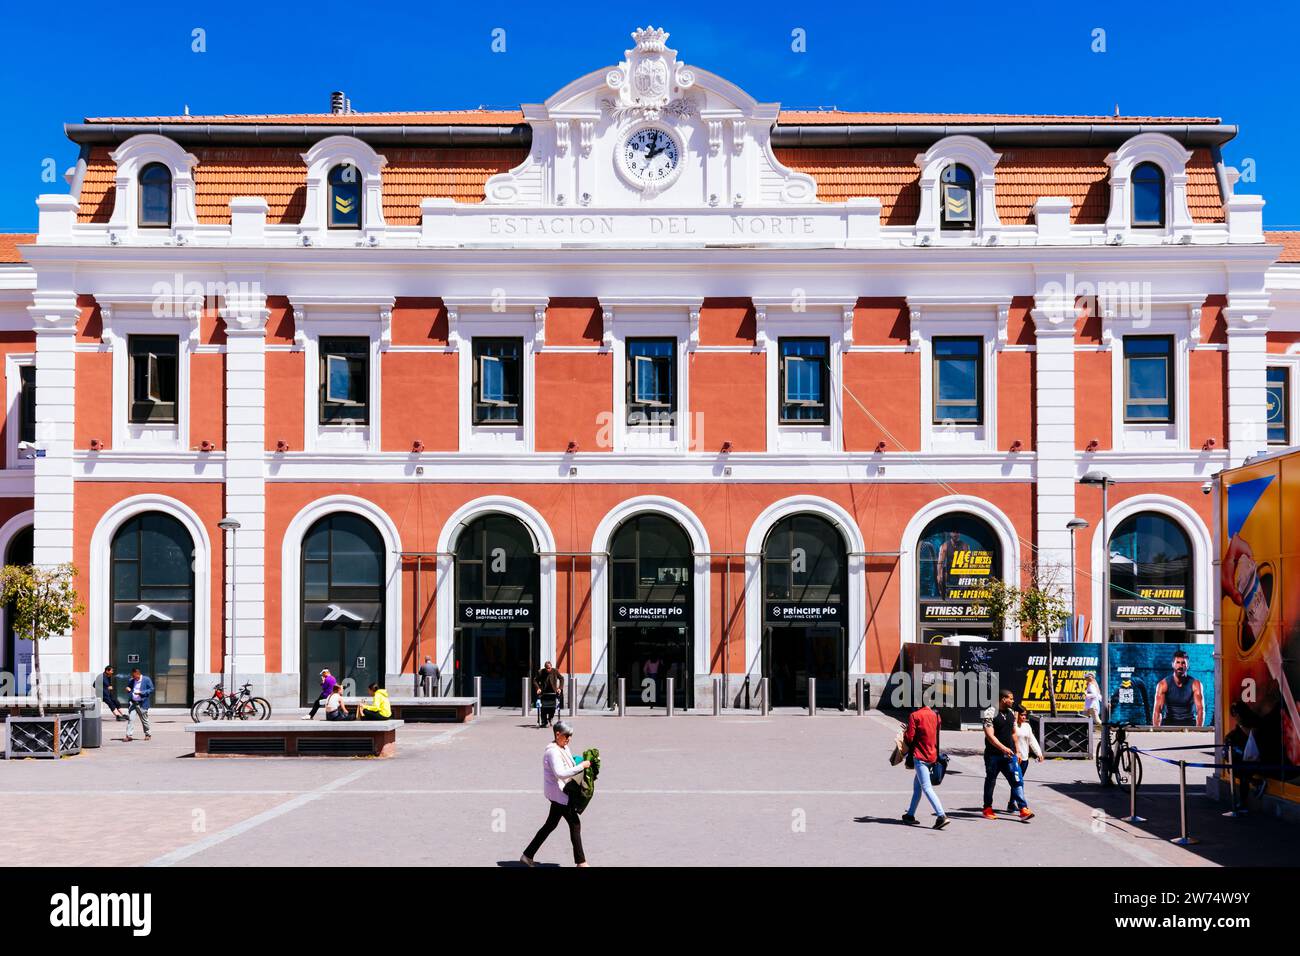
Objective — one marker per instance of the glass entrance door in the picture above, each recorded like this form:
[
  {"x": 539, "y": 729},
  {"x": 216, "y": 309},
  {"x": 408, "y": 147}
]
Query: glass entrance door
[
  {"x": 793, "y": 653},
  {"x": 502, "y": 654},
  {"x": 350, "y": 650},
  {"x": 646, "y": 656}
]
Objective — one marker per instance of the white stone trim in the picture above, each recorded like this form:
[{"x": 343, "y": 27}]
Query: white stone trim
[
  {"x": 1171, "y": 157},
  {"x": 976, "y": 155},
  {"x": 804, "y": 318},
  {"x": 982, "y": 317},
  {"x": 700, "y": 575},
  {"x": 99, "y": 599},
  {"x": 320, "y": 159},
  {"x": 653, "y": 317},
  {"x": 445, "y": 597},
  {"x": 131, "y": 157},
  {"x": 126, "y": 315},
  {"x": 1203, "y": 557},
  {"x": 1178, "y": 318},
  {"x": 1008, "y": 540},
  {"x": 854, "y": 580},
  {"x": 291, "y": 577}
]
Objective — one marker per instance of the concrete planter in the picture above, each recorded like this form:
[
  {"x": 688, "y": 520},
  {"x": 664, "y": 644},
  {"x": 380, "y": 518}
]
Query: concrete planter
[{"x": 54, "y": 735}]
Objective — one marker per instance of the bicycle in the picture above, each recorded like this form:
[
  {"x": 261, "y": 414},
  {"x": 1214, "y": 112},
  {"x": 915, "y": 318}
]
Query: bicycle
[
  {"x": 223, "y": 706},
  {"x": 1117, "y": 761}
]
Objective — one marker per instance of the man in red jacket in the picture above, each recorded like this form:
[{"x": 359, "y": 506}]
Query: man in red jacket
[{"x": 922, "y": 740}]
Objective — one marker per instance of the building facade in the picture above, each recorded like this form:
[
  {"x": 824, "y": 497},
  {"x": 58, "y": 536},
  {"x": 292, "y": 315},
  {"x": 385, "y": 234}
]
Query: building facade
[{"x": 651, "y": 380}]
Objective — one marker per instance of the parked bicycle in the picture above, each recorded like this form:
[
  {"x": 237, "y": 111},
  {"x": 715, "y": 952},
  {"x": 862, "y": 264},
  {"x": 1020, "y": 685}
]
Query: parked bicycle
[
  {"x": 1117, "y": 761},
  {"x": 223, "y": 706}
]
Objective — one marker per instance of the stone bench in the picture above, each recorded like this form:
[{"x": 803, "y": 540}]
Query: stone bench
[
  {"x": 26, "y": 706},
  {"x": 295, "y": 738},
  {"x": 455, "y": 709}
]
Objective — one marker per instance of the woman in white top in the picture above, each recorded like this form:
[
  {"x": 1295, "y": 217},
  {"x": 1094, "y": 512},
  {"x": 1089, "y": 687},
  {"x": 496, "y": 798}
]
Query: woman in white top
[
  {"x": 335, "y": 709},
  {"x": 1026, "y": 743},
  {"x": 559, "y": 768},
  {"x": 1092, "y": 699}
]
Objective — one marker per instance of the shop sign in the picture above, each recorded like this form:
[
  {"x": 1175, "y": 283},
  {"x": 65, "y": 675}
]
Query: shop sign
[
  {"x": 784, "y": 612},
  {"x": 632, "y": 611},
  {"x": 496, "y": 613}
]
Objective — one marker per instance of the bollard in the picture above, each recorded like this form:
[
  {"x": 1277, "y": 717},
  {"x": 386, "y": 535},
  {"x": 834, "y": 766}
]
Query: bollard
[
  {"x": 668, "y": 704},
  {"x": 622, "y": 696},
  {"x": 812, "y": 696},
  {"x": 862, "y": 696},
  {"x": 717, "y": 697},
  {"x": 1133, "y": 801},
  {"x": 478, "y": 696},
  {"x": 765, "y": 692},
  {"x": 573, "y": 696},
  {"x": 1233, "y": 810},
  {"x": 1184, "y": 839}
]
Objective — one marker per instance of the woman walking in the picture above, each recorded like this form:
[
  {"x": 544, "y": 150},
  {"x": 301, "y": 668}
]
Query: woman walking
[{"x": 559, "y": 769}]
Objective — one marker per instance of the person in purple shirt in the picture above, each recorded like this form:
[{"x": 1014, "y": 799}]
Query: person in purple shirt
[{"x": 327, "y": 685}]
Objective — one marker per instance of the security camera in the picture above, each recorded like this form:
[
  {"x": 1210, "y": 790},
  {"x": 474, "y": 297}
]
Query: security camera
[{"x": 1207, "y": 487}]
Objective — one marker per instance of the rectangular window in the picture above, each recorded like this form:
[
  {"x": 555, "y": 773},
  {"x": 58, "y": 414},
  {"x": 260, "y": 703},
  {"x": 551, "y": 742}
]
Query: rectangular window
[
  {"x": 958, "y": 381},
  {"x": 27, "y": 404},
  {"x": 498, "y": 381},
  {"x": 344, "y": 380},
  {"x": 1148, "y": 379},
  {"x": 1279, "y": 405},
  {"x": 153, "y": 369},
  {"x": 651, "y": 381},
  {"x": 804, "y": 381}
]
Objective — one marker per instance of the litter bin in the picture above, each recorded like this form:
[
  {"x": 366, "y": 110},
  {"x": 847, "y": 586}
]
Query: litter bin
[{"x": 92, "y": 730}]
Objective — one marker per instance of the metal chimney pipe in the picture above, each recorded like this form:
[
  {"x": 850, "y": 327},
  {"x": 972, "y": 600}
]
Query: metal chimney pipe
[{"x": 338, "y": 102}]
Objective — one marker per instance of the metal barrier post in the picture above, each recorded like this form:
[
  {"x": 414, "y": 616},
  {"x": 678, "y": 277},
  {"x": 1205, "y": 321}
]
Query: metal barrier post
[
  {"x": 765, "y": 689},
  {"x": 1184, "y": 839},
  {"x": 622, "y": 696},
  {"x": 1232, "y": 787},
  {"x": 478, "y": 696},
  {"x": 573, "y": 696},
  {"x": 668, "y": 704},
  {"x": 812, "y": 696},
  {"x": 717, "y": 697},
  {"x": 525, "y": 695},
  {"x": 1133, "y": 800},
  {"x": 862, "y": 696}
]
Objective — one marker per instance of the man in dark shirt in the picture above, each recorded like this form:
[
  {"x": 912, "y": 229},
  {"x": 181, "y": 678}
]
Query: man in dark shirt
[
  {"x": 548, "y": 686},
  {"x": 1000, "y": 755}
]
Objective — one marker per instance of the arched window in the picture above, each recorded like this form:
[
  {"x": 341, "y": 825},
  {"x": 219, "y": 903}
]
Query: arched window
[
  {"x": 342, "y": 603},
  {"x": 650, "y": 561},
  {"x": 804, "y": 561},
  {"x": 1148, "y": 184},
  {"x": 957, "y": 556},
  {"x": 957, "y": 198},
  {"x": 153, "y": 605},
  {"x": 344, "y": 197},
  {"x": 155, "y": 196},
  {"x": 1150, "y": 578}
]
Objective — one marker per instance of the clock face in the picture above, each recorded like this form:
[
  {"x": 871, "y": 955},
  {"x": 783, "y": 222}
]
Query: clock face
[{"x": 650, "y": 157}]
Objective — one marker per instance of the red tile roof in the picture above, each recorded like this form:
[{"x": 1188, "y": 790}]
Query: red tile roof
[
  {"x": 1290, "y": 243},
  {"x": 9, "y": 243}
]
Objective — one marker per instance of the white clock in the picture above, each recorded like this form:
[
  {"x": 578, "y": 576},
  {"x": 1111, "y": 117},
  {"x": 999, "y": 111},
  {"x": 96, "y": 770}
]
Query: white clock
[{"x": 650, "y": 158}]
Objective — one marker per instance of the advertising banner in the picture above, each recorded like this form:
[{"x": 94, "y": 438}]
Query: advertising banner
[
  {"x": 959, "y": 593},
  {"x": 1259, "y": 537},
  {"x": 1162, "y": 685},
  {"x": 1155, "y": 607}
]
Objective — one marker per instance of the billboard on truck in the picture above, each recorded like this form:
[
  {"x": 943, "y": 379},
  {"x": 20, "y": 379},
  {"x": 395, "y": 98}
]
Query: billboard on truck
[{"x": 1259, "y": 634}]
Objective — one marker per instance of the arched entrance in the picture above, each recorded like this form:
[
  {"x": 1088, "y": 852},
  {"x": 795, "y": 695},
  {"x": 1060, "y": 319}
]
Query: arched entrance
[
  {"x": 342, "y": 603},
  {"x": 805, "y": 611},
  {"x": 496, "y": 578},
  {"x": 1151, "y": 579},
  {"x": 651, "y": 611},
  {"x": 957, "y": 555},
  {"x": 17, "y": 649},
  {"x": 152, "y": 625}
]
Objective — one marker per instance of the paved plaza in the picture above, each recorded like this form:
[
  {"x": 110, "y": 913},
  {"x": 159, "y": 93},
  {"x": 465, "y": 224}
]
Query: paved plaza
[{"x": 692, "y": 790}]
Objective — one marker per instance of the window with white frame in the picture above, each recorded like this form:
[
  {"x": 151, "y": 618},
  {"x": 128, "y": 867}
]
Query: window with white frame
[
  {"x": 651, "y": 382},
  {"x": 1148, "y": 185},
  {"x": 155, "y": 197},
  {"x": 804, "y": 380},
  {"x": 153, "y": 369},
  {"x": 957, "y": 191},
  {"x": 958, "y": 380},
  {"x": 344, "y": 380},
  {"x": 1149, "y": 395},
  {"x": 344, "y": 210},
  {"x": 27, "y": 404},
  {"x": 498, "y": 381},
  {"x": 1279, "y": 404}
]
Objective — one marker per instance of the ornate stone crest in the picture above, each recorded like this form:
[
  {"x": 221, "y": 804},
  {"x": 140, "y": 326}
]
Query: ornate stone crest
[{"x": 650, "y": 79}]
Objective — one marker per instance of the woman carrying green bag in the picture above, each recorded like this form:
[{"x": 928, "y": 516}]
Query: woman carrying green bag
[{"x": 560, "y": 783}]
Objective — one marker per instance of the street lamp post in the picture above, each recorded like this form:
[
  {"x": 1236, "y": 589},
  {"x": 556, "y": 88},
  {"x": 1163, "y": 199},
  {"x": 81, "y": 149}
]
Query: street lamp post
[
  {"x": 1105, "y": 480},
  {"x": 1073, "y": 525},
  {"x": 231, "y": 525}
]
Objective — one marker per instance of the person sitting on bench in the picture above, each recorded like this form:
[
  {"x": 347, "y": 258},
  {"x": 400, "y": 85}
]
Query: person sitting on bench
[
  {"x": 381, "y": 709},
  {"x": 335, "y": 709}
]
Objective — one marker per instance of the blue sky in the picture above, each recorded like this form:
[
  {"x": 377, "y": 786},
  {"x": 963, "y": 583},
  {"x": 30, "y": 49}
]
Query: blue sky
[{"x": 63, "y": 62}]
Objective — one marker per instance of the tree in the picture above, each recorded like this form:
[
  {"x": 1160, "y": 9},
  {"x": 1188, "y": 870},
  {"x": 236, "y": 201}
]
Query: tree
[
  {"x": 1042, "y": 610},
  {"x": 44, "y": 603}
]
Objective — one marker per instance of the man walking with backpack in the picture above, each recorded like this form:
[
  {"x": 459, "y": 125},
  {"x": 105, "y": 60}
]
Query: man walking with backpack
[{"x": 922, "y": 740}]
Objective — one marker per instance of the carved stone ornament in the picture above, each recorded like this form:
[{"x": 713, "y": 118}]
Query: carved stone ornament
[{"x": 650, "y": 81}]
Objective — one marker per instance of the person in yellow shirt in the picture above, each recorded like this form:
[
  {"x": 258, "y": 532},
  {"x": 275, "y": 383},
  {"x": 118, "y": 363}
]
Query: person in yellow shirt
[{"x": 381, "y": 709}]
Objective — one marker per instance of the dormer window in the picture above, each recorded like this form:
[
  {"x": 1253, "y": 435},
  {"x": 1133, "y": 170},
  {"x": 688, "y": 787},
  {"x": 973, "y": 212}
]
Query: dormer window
[
  {"x": 957, "y": 198},
  {"x": 155, "y": 196},
  {"x": 344, "y": 197},
  {"x": 1148, "y": 196}
]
